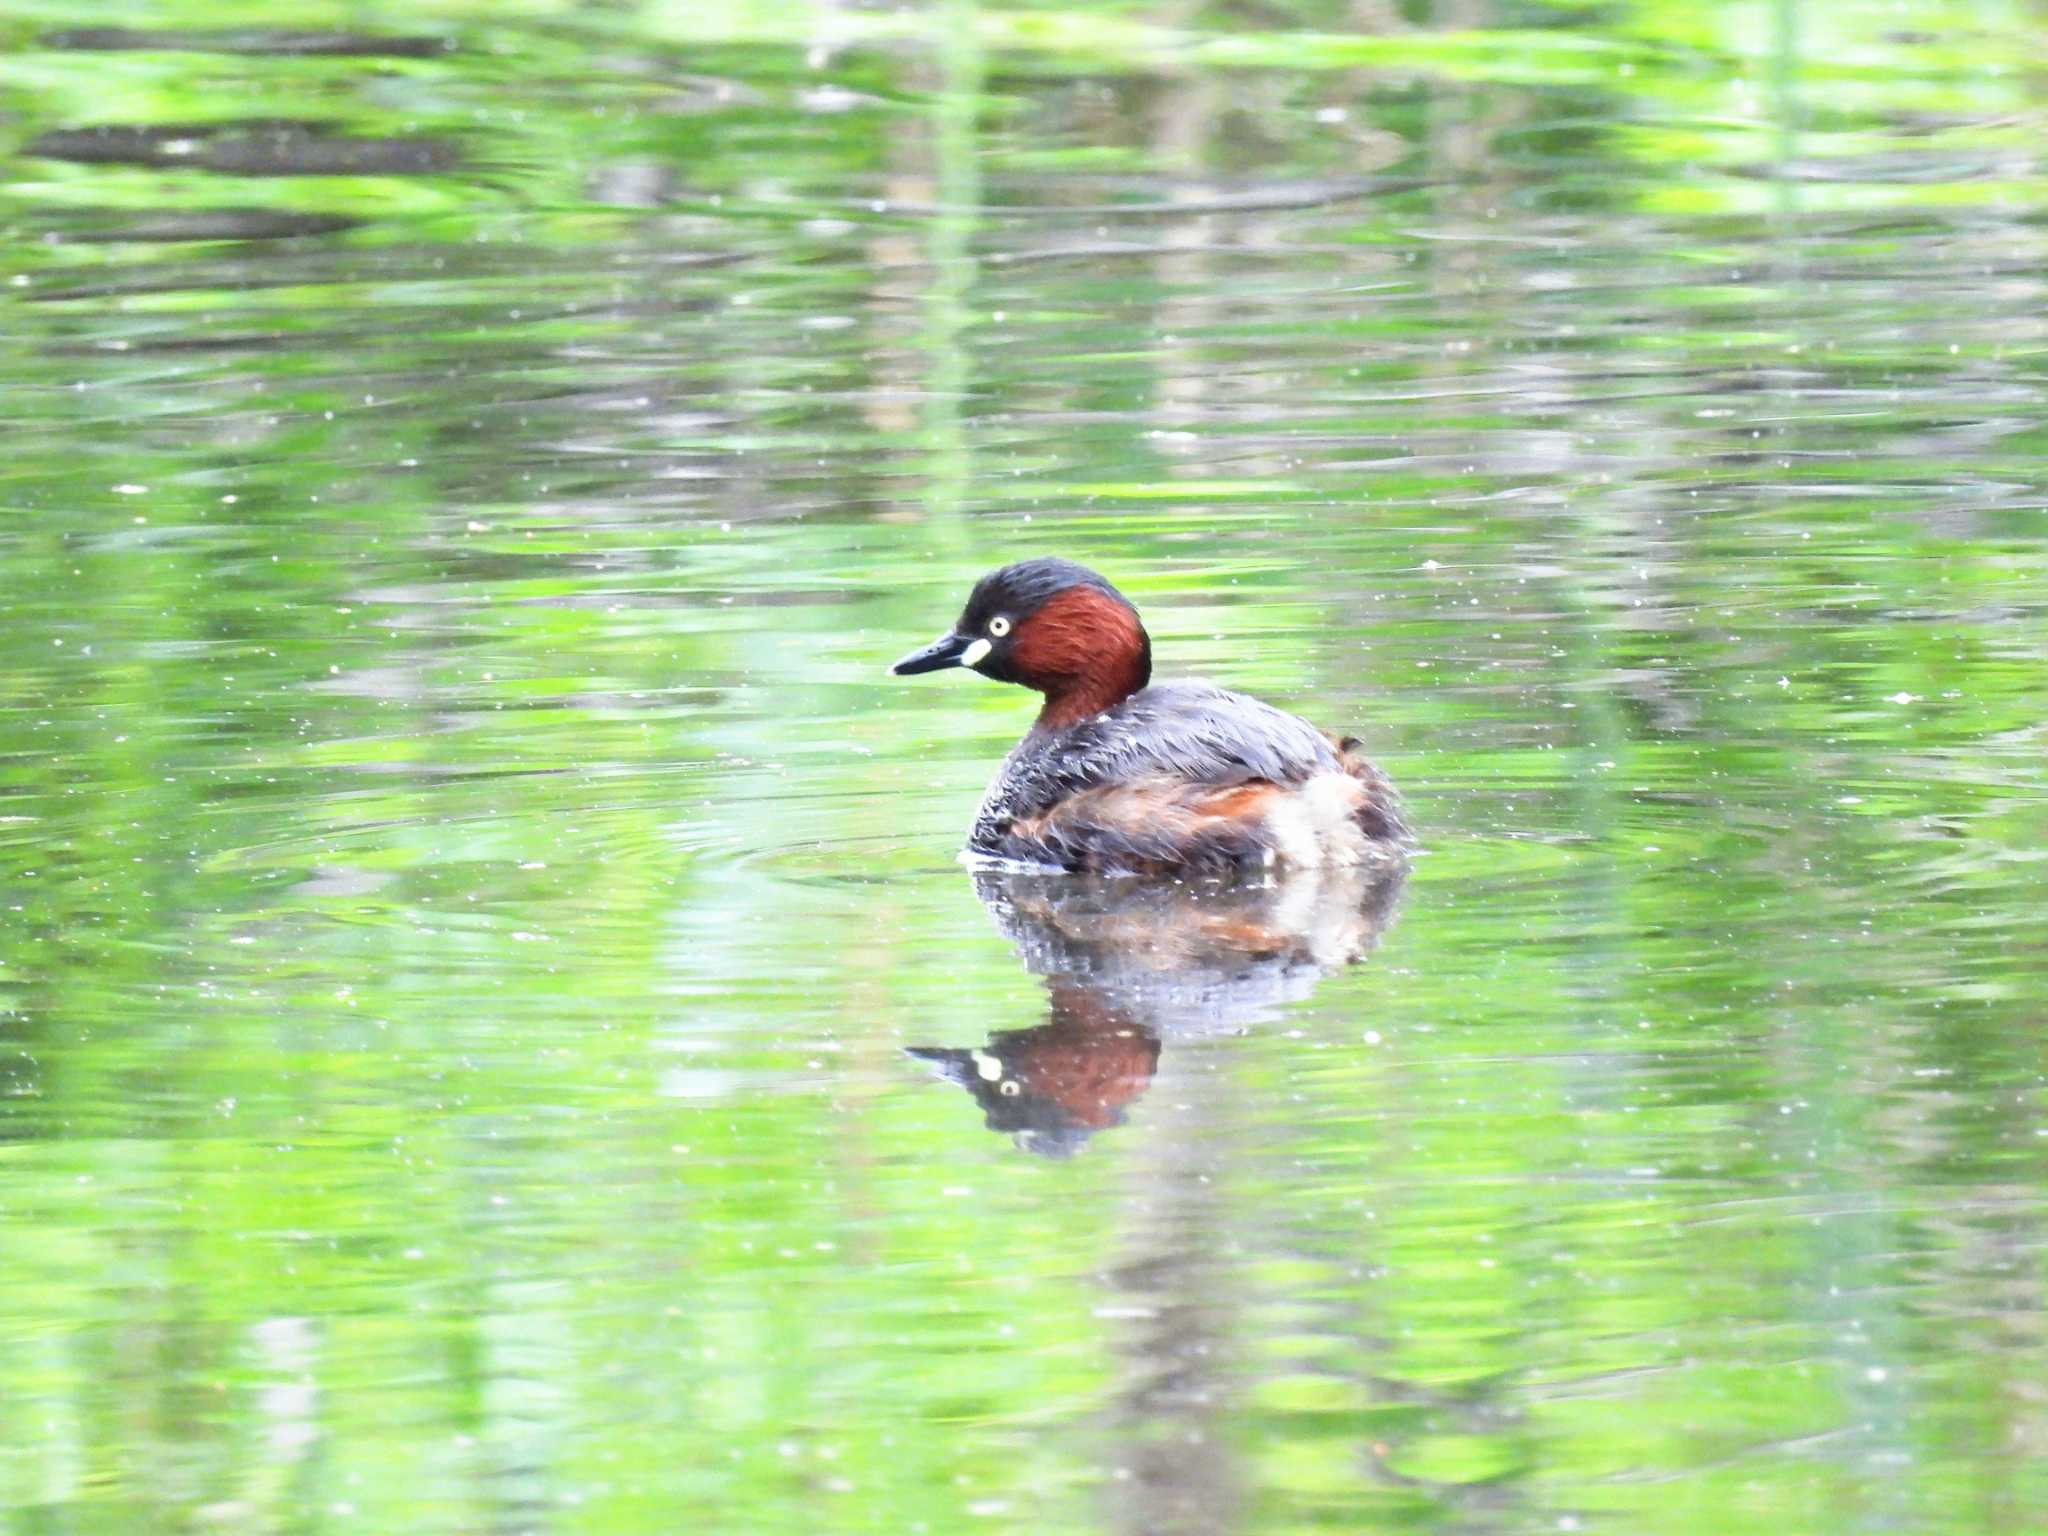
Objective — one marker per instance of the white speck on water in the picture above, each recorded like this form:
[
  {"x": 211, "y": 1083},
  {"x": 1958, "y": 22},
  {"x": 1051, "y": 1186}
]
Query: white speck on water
[
  {"x": 1905, "y": 698},
  {"x": 126, "y": 489}
]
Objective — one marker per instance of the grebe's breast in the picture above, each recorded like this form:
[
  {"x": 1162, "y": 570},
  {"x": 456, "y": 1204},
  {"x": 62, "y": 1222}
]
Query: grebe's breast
[{"x": 1189, "y": 733}]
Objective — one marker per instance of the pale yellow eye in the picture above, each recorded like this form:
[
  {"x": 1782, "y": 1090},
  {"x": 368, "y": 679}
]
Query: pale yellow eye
[
  {"x": 999, "y": 626},
  {"x": 1010, "y": 1088}
]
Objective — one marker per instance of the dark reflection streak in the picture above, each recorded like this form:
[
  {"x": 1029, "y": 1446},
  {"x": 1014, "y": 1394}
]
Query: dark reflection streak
[
  {"x": 1246, "y": 202},
  {"x": 1744, "y": 1454},
  {"x": 169, "y": 283},
  {"x": 342, "y": 272},
  {"x": 1882, "y": 170},
  {"x": 206, "y": 224},
  {"x": 241, "y": 341},
  {"x": 266, "y": 147},
  {"x": 258, "y": 41},
  {"x": 1091, "y": 251}
]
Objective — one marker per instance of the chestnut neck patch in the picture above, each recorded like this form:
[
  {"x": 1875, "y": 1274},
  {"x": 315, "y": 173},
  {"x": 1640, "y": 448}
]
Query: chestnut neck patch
[{"x": 1084, "y": 650}]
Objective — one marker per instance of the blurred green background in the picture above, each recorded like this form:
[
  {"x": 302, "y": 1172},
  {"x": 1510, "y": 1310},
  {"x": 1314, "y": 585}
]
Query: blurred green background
[{"x": 465, "y": 881}]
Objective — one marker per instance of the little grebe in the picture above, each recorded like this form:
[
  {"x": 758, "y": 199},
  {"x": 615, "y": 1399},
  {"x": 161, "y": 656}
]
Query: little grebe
[{"x": 1119, "y": 777}]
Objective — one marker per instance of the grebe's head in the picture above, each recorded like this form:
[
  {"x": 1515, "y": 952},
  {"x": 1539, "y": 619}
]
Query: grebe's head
[
  {"x": 1055, "y": 1085},
  {"x": 1051, "y": 625}
]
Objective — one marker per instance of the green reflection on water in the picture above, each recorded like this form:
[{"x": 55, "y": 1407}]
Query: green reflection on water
[{"x": 468, "y": 887}]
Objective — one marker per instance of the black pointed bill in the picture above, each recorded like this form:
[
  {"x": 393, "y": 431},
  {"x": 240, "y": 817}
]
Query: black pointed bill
[
  {"x": 947, "y": 1065},
  {"x": 949, "y": 650}
]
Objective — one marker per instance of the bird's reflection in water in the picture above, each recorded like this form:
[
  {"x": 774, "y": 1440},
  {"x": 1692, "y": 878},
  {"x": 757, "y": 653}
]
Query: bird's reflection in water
[
  {"x": 1131, "y": 966},
  {"x": 1137, "y": 973}
]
